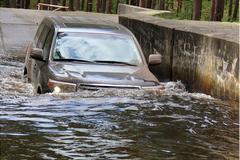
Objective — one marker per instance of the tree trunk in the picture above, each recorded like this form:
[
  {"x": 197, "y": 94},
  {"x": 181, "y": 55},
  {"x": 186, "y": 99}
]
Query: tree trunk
[
  {"x": 230, "y": 10},
  {"x": 71, "y": 5},
  {"x": 98, "y": 5},
  {"x": 18, "y": 4},
  {"x": 221, "y": 9},
  {"x": 104, "y": 6},
  {"x": 117, "y": 3},
  {"x": 89, "y": 5},
  {"x": 153, "y": 4},
  {"x": 82, "y": 4},
  {"x": 63, "y": 4},
  {"x": 162, "y": 4},
  {"x": 172, "y": 4},
  {"x": 179, "y": 6},
  {"x": 54, "y": 2},
  {"x": 197, "y": 10},
  {"x": 217, "y": 10},
  {"x": 6, "y": 3},
  {"x": 109, "y": 6},
  {"x": 12, "y": 3},
  {"x": 27, "y": 4},
  {"x": 149, "y": 3},
  {"x": 213, "y": 9},
  {"x": 77, "y": 5},
  {"x": 166, "y": 5},
  {"x": 142, "y": 3},
  {"x": 236, "y": 10}
]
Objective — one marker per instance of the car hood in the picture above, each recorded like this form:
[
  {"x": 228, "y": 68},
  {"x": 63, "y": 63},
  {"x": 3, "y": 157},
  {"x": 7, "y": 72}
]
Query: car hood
[{"x": 102, "y": 74}]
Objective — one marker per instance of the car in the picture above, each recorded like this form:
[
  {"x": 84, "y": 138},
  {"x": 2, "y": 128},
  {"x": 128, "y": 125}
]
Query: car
[{"x": 69, "y": 54}]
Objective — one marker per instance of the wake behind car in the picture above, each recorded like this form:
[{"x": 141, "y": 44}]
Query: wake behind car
[{"x": 68, "y": 54}]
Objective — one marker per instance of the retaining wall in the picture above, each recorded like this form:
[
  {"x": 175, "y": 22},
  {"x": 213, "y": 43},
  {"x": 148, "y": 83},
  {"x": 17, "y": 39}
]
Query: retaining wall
[{"x": 203, "y": 55}]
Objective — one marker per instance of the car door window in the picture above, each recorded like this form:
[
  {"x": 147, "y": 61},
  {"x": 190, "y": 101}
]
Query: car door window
[{"x": 48, "y": 43}]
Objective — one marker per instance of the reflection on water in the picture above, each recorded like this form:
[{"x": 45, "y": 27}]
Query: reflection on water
[{"x": 112, "y": 124}]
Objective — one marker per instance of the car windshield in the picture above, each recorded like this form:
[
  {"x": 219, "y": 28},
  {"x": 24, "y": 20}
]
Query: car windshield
[{"x": 101, "y": 48}]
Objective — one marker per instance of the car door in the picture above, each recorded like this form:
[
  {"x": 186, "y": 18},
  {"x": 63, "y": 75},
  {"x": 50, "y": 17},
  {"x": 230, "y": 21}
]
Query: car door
[
  {"x": 28, "y": 59},
  {"x": 43, "y": 71},
  {"x": 38, "y": 64}
]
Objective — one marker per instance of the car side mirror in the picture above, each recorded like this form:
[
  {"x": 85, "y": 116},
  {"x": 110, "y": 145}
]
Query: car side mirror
[
  {"x": 37, "y": 53},
  {"x": 154, "y": 59}
]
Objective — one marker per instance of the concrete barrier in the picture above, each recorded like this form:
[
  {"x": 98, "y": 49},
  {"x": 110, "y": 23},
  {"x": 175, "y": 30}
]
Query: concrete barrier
[
  {"x": 203, "y": 55},
  {"x": 127, "y": 9}
]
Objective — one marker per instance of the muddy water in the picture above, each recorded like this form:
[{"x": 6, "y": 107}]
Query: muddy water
[{"x": 112, "y": 124}]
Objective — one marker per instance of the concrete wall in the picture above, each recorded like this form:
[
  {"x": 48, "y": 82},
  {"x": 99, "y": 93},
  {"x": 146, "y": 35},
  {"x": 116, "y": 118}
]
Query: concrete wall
[
  {"x": 127, "y": 9},
  {"x": 124, "y": 9},
  {"x": 203, "y": 55}
]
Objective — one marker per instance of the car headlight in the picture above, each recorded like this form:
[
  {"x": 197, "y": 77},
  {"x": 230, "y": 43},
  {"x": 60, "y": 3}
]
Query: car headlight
[{"x": 58, "y": 86}]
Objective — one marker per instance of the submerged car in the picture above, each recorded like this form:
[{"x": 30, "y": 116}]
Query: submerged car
[{"x": 69, "y": 54}]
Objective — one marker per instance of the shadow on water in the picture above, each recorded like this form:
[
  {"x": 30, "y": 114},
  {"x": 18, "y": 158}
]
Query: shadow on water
[{"x": 112, "y": 124}]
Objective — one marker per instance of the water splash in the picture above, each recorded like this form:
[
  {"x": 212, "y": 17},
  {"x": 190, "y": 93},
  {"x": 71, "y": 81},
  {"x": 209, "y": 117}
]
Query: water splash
[{"x": 112, "y": 124}]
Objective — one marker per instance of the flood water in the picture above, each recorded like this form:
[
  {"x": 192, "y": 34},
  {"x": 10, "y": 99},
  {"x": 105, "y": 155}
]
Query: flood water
[{"x": 112, "y": 124}]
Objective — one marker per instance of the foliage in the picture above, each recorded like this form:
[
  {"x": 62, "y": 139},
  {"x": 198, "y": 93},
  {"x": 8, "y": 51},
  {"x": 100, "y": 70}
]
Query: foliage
[{"x": 187, "y": 10}]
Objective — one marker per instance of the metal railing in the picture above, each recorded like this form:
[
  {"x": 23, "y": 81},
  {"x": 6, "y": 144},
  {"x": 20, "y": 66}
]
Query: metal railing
[{"x": 51, "y": 6}]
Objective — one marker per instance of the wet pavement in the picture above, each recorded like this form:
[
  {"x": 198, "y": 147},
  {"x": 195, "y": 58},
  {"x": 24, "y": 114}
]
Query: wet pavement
[
  {"x": 112, "y": 124},
  {"x": 18, "y": 26}
]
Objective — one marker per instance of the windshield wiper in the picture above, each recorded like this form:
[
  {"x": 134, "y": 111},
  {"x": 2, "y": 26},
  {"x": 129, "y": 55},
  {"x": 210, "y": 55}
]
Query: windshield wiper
[
  {"x": 116, "y": 62},
  {"x": 70, "y": 60}
]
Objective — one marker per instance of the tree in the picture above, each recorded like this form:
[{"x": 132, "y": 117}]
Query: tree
[
  {"x": 149, "y": 3},
  {"x": 179, "y": 6},
  {"x": 89, "y": 5},
  {"x": 98, "y": 5},
  {"x": 71, "y": 5},
  {"x": 162, "y": 4},
  {"x": 235, "y": 12},
  {"x": 213, "y": 9},
  {"x": 217, "y": 10},
  {"x": 197, "y": 10},
  {"x": 116, "y": 11},
  {"x": 153, "y": 4},
  {"x": 142, "y": 3},
  {"x": 54, "y": 2},
  {"x": 103, "y": 6},
  {"x": 230, "y": 10},
  {"x": 221, "y": 9},
  {"x": 109, "y": 6},
  {"x": 82, "y": 4},
  {"x": 78, "y": 3},
  {"x": 12, "y": 3}
]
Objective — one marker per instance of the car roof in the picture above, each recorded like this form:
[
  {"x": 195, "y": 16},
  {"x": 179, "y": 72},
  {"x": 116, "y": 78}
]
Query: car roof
[{"x": 83, "y": 24}]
